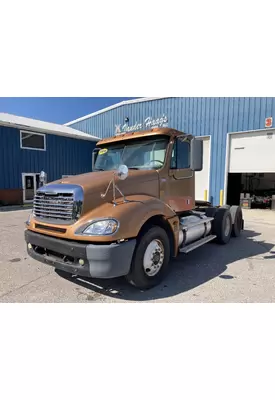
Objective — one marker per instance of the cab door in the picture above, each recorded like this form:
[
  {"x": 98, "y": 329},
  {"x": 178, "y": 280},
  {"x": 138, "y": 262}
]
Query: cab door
[{"x": 180, "y": 184}]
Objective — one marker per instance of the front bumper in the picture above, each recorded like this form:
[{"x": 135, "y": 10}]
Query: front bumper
[{"x": 100, "y": 261}]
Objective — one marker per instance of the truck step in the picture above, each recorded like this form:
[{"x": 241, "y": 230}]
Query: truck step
[{"x": 198, "y": 243}]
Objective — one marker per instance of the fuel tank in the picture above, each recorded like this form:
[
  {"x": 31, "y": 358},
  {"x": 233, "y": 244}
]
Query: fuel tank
[{"x": 193, "y": 228}]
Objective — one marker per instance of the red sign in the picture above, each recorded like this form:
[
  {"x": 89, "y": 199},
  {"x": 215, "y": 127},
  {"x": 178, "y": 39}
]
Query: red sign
[{"x": 268, "y": 122}]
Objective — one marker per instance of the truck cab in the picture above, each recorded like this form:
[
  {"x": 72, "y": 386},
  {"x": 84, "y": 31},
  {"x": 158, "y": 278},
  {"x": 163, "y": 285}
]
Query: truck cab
[{"x": 134, "y": 212}]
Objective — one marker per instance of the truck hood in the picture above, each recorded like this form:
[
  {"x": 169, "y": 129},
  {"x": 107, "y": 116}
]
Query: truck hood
[{"x": 138, "y": 182}]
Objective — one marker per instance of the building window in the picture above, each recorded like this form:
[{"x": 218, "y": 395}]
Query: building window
[
  {"x": 180, "y": 154},
  {"x": 32, "y": 141}
]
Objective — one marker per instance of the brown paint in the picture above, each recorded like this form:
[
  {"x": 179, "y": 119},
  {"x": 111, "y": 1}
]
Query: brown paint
[
  {"x": 164, "y": 192},
  {"x": 175, "y": 227},
  {"x": 131, "y": 217},
  {"x": 139, "y": 134},
  {"x": 11, "y": 196}
]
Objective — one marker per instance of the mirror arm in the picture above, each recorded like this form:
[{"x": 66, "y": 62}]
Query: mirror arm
[
  {"x": 115, "y": 187},
  {"x": 103, "y": 195}
]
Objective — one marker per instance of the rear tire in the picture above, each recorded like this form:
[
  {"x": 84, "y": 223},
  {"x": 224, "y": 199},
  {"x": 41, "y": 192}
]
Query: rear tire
[
  {"x": 150, "y": 260},
  {"x": 238, "y": 221},
  {"x": 222, "y": 225}
]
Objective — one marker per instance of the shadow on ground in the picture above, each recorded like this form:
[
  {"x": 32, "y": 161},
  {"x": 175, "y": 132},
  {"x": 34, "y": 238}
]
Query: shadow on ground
[
  {"x": 271, "y": 256},
  {"x": 187, "y": 271}
]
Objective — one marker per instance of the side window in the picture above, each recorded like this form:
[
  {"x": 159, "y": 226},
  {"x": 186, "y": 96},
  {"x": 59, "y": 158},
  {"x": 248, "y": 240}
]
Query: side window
[
  {"x": 174, "y": 156},
  {"x": 32, "y": 141},
  {"x": 180, "y": 155}
]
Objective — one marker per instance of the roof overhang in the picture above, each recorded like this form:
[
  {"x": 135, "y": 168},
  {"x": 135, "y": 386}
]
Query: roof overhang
[{"x": 13, "y": 121}]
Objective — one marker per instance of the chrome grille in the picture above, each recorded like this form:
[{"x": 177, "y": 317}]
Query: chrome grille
[{"x": 52, "y": 203}]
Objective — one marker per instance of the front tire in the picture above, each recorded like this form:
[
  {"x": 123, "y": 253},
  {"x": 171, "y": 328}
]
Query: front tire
[{"x": 150, "y": 260}]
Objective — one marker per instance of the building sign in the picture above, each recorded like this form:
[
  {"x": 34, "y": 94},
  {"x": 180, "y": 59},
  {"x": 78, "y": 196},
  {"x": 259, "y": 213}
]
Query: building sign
[
  {"x": 148, "y": 123},
  {"x": 268, "y": 122}
]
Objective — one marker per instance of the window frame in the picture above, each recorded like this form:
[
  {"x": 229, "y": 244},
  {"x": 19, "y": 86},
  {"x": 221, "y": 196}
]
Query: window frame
[
  {"x": 32, "y": 133},
  {"x": 176, "y": 150}
]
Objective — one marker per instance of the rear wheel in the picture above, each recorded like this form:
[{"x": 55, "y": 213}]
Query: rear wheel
[
  {"x": 151, "y": 259},
  {"x": 238, "y": 221},
  {"x": 222, "y": 225}
]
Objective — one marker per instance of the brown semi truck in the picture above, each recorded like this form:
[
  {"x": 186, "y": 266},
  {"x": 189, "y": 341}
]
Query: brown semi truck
[{"x": 132, "y": 214}]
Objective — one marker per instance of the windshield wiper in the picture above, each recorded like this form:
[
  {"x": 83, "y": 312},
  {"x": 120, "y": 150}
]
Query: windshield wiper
[{"x": 133, "y": 168}]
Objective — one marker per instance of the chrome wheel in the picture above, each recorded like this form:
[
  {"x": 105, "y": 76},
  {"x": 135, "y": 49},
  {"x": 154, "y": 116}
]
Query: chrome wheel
[
  {"x": 227, "y": 226},
  {"x": 153, "y": 258}
]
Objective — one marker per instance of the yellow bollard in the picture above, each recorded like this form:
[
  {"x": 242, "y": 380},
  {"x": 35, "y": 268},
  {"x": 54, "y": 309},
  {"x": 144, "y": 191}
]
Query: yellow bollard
[
  {"x": 205, "y": 195},
  {"x": 221, "y": 197}
]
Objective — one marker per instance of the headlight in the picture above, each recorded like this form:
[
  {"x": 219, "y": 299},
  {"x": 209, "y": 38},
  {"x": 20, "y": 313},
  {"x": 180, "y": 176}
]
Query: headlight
[{"x": 102, "y": 227}]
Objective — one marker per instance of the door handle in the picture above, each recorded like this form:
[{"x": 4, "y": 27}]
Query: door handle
[{"x": 179, "y": 177}]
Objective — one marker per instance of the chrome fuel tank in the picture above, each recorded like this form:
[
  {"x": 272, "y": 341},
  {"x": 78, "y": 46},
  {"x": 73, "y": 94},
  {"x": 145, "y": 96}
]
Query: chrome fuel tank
[{"x": 194, "y": 227}]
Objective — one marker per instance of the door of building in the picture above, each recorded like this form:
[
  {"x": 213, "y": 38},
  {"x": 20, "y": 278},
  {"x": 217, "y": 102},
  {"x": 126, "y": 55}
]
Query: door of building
[
  {"x": 252, "y": 152},
  {"x": 30, "y": 183},
  {"x": 202, "y": 177}
]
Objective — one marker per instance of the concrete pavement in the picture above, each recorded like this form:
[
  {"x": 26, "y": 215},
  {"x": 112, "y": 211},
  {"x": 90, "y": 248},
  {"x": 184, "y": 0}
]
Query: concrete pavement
[{"x": 242, "y": 271}]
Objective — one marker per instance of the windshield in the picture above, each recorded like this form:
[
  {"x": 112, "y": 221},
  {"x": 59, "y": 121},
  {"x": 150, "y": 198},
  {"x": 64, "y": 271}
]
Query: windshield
[{"x": 136, "y": 154}]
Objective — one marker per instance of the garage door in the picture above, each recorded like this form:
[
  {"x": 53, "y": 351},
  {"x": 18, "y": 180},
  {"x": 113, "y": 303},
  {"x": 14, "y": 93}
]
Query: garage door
[
  {"x": 202, "y": 177},
  {"x": 252, "y": 152}
]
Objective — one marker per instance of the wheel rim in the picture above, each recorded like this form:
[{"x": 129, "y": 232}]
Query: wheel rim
[
  {"x": 227, "y": 226},
  {"x": 153, "y": 258}
]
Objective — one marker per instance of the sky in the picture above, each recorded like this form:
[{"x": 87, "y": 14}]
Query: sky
[{"x": 56, "y": 109}]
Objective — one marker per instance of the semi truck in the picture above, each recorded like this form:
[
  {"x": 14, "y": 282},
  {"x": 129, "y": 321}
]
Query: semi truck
[{"x": 132, "y": 214}]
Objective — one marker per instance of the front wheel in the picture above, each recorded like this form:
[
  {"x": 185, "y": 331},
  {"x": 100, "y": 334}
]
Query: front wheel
[{"x": 150, "y": 260}]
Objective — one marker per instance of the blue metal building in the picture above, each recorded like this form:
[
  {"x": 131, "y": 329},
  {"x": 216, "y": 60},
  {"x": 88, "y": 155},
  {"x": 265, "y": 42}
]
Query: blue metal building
[
  {"x": 29, "y": 146},
  {"x": 216, "y": 120}
]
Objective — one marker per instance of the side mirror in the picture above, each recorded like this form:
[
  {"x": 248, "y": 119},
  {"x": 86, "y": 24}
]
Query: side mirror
[
  {"x": 42, "y": 178},
  {"x": 196, "y": 157},
  {"x": 122, "y": 172},
  {"x": 94, "y": 157}
]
